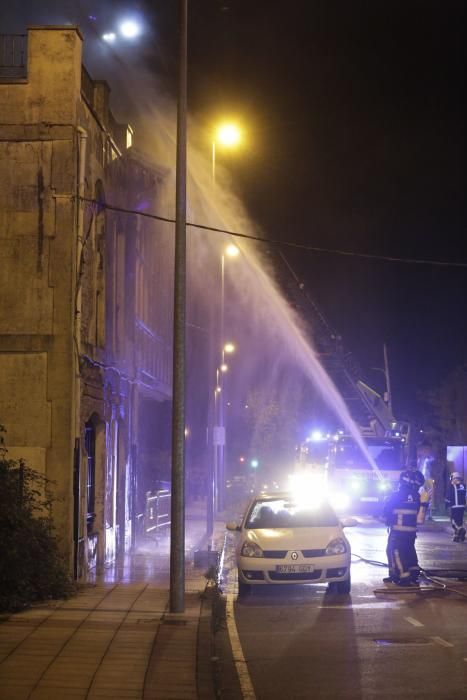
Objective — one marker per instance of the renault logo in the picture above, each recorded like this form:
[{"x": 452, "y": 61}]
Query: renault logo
[{"x": 294, "y": 555}]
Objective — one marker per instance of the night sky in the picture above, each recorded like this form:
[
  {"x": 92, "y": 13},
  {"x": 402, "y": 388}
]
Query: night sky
[{"x": 355, "y": 140}]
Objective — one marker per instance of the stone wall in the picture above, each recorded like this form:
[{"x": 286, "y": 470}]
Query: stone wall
[{"x": 78, "y": 346}]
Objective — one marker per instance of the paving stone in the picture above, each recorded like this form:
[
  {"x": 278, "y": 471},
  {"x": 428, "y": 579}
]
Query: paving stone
[
  {"x": 15, "y": 691},
  {"x": 47, "y": 692},
  {"x": 107, "y": 640}
]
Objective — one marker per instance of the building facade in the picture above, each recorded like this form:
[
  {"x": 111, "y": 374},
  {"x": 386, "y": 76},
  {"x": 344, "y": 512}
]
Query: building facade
[{"x": 85, "y": 297}]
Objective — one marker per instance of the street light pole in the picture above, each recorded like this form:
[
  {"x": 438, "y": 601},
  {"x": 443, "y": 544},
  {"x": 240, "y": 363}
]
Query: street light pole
[
  {"x": 214, "y": 161},
  {"x": 231, "y": 251},
  {"x": 211, "y": 469},
  {"x": 177, "y": 527},
  {"x": 221, "y": 461},
  {"x": 227, "y": 135}
]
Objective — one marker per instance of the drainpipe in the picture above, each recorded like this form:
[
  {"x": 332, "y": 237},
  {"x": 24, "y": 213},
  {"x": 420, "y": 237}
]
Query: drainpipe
[
  {"x": 80, "y": 191},
  {"x": 82, "y": 139}
]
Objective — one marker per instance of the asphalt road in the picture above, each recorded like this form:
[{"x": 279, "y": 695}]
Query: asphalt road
[{"x": 302, "y": 642}]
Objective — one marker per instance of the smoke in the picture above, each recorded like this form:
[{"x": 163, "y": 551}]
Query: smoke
[{"x": 274, "y": 352}]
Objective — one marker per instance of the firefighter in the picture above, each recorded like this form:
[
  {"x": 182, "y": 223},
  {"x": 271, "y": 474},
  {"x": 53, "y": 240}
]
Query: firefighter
[
  {"x": 455, "y": 499},
  {"x": 429, "y": 490},
  {"x": 400, "y": 512},
  {"x": 412, "y": 475}
]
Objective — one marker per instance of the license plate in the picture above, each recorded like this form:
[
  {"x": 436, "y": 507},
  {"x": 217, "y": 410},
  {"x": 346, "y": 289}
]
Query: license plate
[
  {"x": 373, "y": 499},
  {"x": 294, "y": 568}
]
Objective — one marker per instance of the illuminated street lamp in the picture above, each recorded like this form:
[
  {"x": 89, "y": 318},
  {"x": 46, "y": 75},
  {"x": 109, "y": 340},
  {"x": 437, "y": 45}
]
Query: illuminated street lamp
[
  {"x": 227, "y": 135},
  {"x": 130, "y": 29},
  {"x": 232, "y": 251}
]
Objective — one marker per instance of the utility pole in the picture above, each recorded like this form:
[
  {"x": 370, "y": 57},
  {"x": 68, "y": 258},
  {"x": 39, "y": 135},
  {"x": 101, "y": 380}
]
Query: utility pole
[
  {"x": 177, "y": 528},
  {"x": 388, "y": 381}
]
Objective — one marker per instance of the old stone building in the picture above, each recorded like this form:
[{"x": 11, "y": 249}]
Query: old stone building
[{"x": 85, "y": 296}]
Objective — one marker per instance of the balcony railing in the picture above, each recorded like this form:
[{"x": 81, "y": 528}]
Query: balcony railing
[{"x": 13, "y": 56}]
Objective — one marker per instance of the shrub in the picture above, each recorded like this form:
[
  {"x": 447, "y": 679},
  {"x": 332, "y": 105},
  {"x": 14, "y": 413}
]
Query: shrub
[{"x": 31, "y": 566}]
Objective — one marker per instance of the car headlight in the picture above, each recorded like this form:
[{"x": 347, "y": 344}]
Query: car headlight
[
  {"x": 337, "y": 546},
  {"x": 250, "y": 549}
]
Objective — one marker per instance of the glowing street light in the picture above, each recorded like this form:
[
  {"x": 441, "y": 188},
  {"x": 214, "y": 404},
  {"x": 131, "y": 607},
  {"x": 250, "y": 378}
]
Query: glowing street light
[
  {"x": 224, "y": 367},
  {"x": 130, "y": 29},
  {"x": 109, "y": 37},
  {"x": 232, "y": 251},
  {"x": 229, "y": 348},
  {"x": 227, "y": 135}
]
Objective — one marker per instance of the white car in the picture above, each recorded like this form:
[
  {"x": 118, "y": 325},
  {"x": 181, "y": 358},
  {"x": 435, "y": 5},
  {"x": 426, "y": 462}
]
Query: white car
[{"x": 288, "y": 540}]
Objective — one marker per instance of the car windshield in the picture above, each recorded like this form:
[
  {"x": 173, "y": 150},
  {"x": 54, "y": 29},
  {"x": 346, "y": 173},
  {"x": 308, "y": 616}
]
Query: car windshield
[{"x": 280, "y": 512}]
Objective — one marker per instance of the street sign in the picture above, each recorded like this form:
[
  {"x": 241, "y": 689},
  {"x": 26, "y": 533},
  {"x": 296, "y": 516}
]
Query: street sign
[{"x": 218, "y": 435}]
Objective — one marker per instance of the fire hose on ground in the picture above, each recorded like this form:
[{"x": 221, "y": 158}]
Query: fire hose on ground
[{"x": 431, "y": 575}]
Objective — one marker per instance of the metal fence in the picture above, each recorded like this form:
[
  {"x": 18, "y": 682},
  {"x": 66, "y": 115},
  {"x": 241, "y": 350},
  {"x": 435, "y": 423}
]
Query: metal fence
[
  {"x": 13, "y": 56},
  {"x": 157, "y": 513}
]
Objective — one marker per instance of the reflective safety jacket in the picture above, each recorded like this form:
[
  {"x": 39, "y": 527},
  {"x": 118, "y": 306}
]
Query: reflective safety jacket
[
  {"x": 400, "y": 511},
  {"x": 456, "y": 495}
]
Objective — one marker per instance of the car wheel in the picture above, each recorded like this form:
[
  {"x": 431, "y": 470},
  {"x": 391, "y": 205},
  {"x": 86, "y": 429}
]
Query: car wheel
[
  {"x": 343, "y": 586},
  {"x": 243, "y": 589}
]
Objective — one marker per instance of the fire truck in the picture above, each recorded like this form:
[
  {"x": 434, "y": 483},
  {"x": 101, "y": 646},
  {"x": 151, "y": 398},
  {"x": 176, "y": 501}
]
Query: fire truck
[
  {"x": 351, "y": 481},
  {"x": 352, "y": 484}
]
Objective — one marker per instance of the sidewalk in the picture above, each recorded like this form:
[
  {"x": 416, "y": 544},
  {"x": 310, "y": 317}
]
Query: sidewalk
[
  {"x": 437, "y": 523},
  {"x": 115, "y": 639}
]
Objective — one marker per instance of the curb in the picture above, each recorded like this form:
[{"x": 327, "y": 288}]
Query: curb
[{"x": 205, "y": 658}]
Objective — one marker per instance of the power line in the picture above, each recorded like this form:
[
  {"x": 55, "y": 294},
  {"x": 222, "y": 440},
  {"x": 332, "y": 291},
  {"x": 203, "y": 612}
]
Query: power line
[{"x": 275, "y": 242}]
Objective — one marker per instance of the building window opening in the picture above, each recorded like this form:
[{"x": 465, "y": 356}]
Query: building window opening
[{"x": 90, "y": 445}]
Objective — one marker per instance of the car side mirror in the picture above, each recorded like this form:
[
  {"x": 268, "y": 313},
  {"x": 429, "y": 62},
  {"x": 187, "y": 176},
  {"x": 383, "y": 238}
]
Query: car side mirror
[
  {"x": 349, "y": 522},
  {"x": 232, "y": 525}
]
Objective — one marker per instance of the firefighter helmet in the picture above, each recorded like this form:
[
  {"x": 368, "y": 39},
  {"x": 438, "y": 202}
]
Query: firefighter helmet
[{"x": 411, "y": 479}]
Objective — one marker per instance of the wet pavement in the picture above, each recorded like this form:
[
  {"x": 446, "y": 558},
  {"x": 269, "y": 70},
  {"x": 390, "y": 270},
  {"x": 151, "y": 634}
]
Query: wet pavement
[
  {"x": 305, "y": 641},
  {"x": 116, "y": 638}
]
